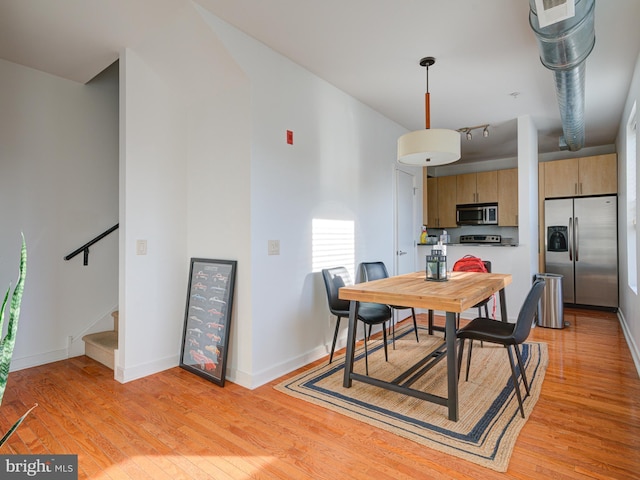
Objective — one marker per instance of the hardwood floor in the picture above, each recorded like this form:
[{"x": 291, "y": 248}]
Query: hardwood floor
[{"x": 176, "y": 425}]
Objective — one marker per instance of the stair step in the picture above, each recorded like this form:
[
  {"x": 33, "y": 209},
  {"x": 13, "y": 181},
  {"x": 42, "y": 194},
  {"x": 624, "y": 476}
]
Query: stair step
[{"x": 100, "y": 347}]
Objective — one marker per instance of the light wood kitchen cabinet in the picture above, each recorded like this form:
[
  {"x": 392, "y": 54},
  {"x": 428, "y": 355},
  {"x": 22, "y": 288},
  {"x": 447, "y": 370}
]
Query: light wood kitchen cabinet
[
  {"x": 431, "y": 205},
  {"x": 447, "y": 202},
  {"x": 440, "y": 202},
  {"x": 575, "y": 177},
  {"x": 429, "y": 199},
  {"x": 598, "y": 175},
  {"x": 507, "y": 197},
  {"x": 481, "y": 187}
]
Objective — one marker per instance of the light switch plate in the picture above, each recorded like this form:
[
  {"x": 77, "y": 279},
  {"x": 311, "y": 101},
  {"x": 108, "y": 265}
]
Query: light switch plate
[
  {"x": 273, "y": 247},
  {"x": 141, "y": 247}
]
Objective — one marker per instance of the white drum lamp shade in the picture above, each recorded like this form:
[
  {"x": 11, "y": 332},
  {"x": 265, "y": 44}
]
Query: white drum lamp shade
[{"x": 429, "y": 147}]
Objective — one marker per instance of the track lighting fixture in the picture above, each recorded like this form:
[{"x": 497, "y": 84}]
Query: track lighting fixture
[{"x": 469, "y": 135}]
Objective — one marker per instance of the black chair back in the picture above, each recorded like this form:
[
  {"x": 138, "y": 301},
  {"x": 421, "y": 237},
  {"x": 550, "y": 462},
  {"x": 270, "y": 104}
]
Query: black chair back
[
  {"x": 373, "y": 271},
  {"x": 528, "y": 312},
  {"x": 334, "y": 279}
]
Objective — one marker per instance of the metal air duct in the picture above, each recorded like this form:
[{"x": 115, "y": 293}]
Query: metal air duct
[{"x": 564, "y": 46}]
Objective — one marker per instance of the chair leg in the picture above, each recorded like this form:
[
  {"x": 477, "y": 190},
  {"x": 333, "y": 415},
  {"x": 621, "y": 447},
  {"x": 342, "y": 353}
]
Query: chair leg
[
  {"x": 430, "y": 322},
  {"x": 460, "y": 353},
  {"x": 366, "y": 353},
  {"x": 515, "y": 380},
  {"x": 466, "y": 379},
  {"x": 522, "y": 372},
  {"x": 384, "y": 339},
  {"x": 415, "y": 324},
  {"x": 392, "y": 328},
  {"x": 486, "y": 314},
  {"x": 335, "y": 337}
]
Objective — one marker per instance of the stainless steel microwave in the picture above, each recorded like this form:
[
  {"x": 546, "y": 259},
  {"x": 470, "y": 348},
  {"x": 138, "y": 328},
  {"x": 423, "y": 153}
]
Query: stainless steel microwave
[{"x": 477, "y": 214}]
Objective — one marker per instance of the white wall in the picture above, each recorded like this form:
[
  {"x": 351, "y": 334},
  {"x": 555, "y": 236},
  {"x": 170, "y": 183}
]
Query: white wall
[
  {"x": 184, "y": 184},
  {"x": 58, "y": 185},
  {"x": 153, "y": 205},
  {"x": 340, "y": 166},
  {"x": 629, "y": 301},
  {"x": 527, "y": 200}
]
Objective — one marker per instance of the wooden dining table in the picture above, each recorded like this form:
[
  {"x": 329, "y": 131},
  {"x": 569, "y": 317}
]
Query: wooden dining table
[{"x": 460, "y": 292}]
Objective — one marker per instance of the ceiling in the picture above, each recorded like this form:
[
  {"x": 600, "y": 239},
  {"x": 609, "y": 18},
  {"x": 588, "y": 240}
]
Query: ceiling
[{"x": 487, "y": 68}]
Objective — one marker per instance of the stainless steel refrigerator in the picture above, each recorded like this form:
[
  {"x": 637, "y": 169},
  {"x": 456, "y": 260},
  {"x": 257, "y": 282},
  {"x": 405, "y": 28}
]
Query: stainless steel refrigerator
[{"x": 582, "y": 245}]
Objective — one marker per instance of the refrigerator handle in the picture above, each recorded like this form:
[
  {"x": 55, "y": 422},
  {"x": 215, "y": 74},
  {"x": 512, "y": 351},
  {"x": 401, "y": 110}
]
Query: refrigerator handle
[
  {"x": 570, "y": 239},
  {"x": 577, "y": 237}
]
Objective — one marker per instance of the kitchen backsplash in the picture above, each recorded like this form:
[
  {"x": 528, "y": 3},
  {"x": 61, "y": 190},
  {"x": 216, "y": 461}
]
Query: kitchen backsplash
[{"x": 455, "y": 233}]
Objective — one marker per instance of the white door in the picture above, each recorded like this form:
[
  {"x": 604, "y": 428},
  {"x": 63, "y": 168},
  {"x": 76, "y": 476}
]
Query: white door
[{"x": 405, "y": 224}]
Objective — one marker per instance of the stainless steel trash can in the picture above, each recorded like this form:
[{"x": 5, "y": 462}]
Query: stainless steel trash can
[{"x": 550, "y": 307}]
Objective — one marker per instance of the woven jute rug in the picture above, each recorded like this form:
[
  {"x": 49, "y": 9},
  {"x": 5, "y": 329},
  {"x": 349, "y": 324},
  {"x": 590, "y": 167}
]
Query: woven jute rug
[{"x": 489, "y": 420}]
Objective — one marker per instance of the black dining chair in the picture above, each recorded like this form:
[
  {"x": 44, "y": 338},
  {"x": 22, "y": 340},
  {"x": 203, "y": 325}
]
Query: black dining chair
[
  {"x": 368, "y": 313},
  {"x": 506, "y": 334},
  {"x": 375, "y": 271},
  {"x": 480, "y": 305}
]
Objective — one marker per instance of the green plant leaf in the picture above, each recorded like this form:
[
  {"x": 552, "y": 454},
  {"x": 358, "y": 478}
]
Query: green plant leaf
[
  {"x": 8, "y": 342},
  {"x": 15, "y": 426}
]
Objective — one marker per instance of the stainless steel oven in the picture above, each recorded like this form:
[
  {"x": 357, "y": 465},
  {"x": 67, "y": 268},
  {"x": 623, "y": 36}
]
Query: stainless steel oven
[{"x": 477, "y": 214}]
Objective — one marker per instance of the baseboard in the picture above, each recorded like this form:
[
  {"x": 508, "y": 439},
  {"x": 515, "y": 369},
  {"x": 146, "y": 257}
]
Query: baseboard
[
  {"x": 633, "y": 347},
  {"x": 37, "y": 360},
  {"x": 265, "y": 376},
  {"x": 128, "y": 374}
]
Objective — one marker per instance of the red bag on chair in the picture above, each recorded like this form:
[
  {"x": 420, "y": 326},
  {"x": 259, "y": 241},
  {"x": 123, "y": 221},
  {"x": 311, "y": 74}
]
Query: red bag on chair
[{"x": 469, "y": 263}]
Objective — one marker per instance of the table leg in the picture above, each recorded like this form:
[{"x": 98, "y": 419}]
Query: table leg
[
  {"x": 452, "y": 366},
  {"x": 503, "y": 306},
  {"x": 351, "y": 343}
]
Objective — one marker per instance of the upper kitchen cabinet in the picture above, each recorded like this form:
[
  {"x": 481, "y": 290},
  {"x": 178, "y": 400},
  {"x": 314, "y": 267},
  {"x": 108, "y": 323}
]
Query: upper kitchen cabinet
[
  {"x": 440, "y": 202},
  {"x": 481, "y": 187},
  {"x": 598, "y": 174},
  {"x": 447, "y": 202},
  {"x": 430, "y": 201},
  {"x": 582, "y": 176},
  {"x": 508, "y": 197}
]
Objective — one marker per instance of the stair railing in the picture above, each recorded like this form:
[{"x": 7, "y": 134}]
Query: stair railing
[{"x": 85, "y": 247}]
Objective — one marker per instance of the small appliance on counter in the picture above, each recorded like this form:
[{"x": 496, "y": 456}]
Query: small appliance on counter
[{"x": 480, "y": 239}]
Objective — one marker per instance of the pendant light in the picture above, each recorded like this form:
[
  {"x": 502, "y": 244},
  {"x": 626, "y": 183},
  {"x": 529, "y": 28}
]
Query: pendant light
[{"x": 429, "y": 147}]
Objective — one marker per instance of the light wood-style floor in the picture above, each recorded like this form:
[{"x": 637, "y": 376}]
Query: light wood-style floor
[{"x": 175, "y": 425}]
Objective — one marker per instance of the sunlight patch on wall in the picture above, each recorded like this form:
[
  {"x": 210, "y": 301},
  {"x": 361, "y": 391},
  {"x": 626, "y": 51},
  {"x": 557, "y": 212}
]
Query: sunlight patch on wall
[{"x": 333, "y": 244}]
